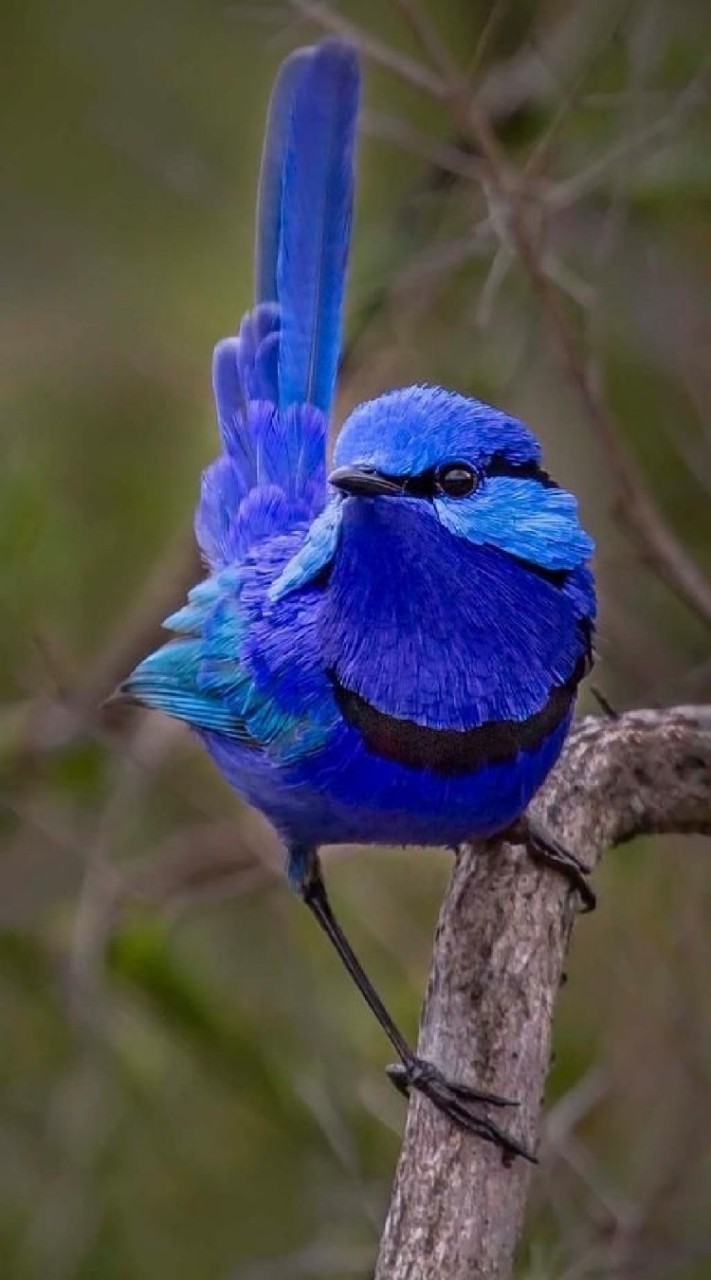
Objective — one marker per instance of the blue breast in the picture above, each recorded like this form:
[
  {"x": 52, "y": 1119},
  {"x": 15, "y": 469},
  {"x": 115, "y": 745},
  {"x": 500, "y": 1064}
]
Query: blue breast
[
  {"x": 429, "y": 627},
  {"x": 418, "y": 653}
]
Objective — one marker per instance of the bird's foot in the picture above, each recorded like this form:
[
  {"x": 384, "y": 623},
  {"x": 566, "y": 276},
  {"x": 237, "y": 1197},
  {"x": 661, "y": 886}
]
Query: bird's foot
[
  {"x": 544, "y": 848},
  {"x": 460, "y": 1102}
]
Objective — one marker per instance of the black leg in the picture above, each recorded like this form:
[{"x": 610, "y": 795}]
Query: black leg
[
  {"x": 604, "y": 703},
  {"x": 458, "y": 1101},
  {"x": 544, "y": 848}
]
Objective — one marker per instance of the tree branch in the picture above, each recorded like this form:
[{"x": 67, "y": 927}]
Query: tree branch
[{"x": 500, "y": 945}]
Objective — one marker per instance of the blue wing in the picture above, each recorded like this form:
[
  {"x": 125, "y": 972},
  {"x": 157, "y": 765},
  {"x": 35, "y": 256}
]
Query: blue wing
[
  {"x": 274, "y": 380},
  {"x": 169, "y": 679},
  {"x": 224, "y": 671}
]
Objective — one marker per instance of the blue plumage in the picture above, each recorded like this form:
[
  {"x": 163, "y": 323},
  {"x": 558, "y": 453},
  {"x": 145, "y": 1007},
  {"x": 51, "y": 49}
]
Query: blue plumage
[
  {"x": 271, "y": 202},
  {"x": 393, "y": 656}
]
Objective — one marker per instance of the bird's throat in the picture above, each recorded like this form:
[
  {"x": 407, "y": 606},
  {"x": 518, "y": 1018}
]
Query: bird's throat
[{"x": 423, "y": 628}]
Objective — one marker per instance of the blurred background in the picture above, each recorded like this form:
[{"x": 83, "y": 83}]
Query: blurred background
[{"x": 188, "y": 1086}]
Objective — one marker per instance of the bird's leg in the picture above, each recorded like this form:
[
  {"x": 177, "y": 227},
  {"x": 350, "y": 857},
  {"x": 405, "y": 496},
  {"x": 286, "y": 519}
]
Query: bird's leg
[
  {"x": 545, "y": 849},
  {"x": 604, "y": 703},
  {"x": 458, "y": 1101}
]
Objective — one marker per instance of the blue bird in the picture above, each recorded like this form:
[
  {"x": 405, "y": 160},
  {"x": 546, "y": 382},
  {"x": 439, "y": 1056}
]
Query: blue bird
[{"x": 389, "y": 653}]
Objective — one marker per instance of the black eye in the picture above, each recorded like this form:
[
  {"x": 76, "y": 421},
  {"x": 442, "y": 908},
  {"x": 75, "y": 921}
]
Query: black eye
[{"x": 456, "y": 479}]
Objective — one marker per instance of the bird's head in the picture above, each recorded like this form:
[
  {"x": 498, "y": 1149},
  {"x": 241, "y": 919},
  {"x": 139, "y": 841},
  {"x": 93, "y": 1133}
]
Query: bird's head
[{"x": 473, "y": 469}]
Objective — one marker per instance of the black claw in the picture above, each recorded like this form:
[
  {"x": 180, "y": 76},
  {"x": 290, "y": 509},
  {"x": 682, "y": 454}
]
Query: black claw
[
  {"x": 419, "y": 1074},
  {"x": 459, "y": 1102},
  {"x": 398, "y": 1074},
  {"x": 547, "y": 850}
]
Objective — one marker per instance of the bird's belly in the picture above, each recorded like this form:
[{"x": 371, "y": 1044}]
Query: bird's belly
[
  {"x": 374, "y": 800},
  {"x": 345, "y": 794}
]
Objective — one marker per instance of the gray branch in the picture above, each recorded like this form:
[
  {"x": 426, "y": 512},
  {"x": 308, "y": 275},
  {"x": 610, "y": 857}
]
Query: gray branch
[{"x": 457, "y": 1211}]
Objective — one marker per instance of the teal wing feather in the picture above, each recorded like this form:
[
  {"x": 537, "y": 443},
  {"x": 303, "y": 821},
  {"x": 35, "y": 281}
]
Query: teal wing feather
[
  {"x": 172, "y": 678},
  {"x": 168, "y": 681},
  {"x": 205, "y": 677}
]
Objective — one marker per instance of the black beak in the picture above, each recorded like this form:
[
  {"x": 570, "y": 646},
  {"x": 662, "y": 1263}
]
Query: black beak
[{"x": 362, "y": 482}]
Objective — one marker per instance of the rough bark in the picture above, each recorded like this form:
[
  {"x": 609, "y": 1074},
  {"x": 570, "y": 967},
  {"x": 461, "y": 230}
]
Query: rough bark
[{"x": 457, "y": 1211}]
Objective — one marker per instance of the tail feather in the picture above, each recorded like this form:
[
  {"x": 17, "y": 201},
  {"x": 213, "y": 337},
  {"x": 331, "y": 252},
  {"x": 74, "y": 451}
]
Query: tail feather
[
  {"x": 271, "y": 176},
  {"x": 315, "y": 223},
  {"x": 244, "y": 369},
  {"x": 274, "y": 380}
]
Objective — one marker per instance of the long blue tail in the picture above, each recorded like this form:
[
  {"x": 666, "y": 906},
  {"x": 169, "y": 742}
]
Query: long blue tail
[
  {"x": 288, "y": 347},
  {"x": 305, "y": 211},
  {"x": 274, "y": 381},
  {"x": 271, "y": 176}
]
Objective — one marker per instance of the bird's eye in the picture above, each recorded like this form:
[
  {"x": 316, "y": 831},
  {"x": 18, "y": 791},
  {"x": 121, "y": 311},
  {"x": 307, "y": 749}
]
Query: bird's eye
[{"x": 456, "y": 479}]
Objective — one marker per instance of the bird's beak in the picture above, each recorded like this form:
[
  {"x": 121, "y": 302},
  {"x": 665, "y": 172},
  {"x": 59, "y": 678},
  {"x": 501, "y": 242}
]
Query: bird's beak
[{"x": 364, "y": 482}]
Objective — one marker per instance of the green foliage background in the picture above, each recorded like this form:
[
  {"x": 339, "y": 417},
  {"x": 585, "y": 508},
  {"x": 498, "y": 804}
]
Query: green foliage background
[{"x": 187, "y": 1087}]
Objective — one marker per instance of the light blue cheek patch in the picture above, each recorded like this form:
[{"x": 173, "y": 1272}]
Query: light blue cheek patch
[
  {"x": 316, "y": 553},
  {"x": 530, "y": 520}
]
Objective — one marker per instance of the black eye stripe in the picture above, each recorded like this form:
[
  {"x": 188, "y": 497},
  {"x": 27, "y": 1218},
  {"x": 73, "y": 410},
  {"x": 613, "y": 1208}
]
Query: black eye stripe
[
  {"x": 498, "y": 465},
  {"x": 427, "y": 483},
  {"x": 419, "y": 486}
]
